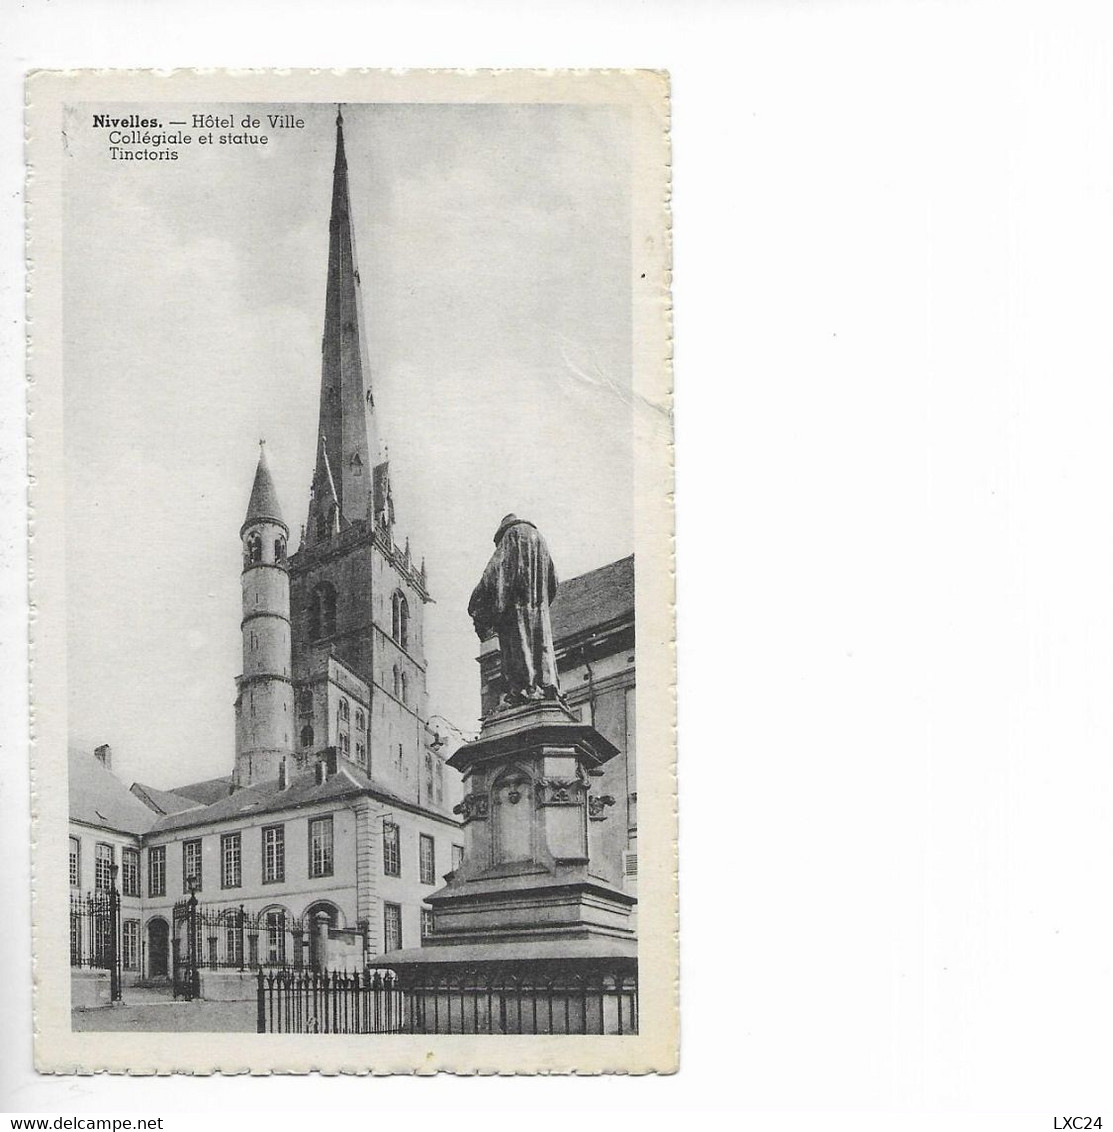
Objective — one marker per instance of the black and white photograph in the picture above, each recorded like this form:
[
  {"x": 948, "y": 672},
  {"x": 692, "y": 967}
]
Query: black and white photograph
[{"x": 356, "y": 535}]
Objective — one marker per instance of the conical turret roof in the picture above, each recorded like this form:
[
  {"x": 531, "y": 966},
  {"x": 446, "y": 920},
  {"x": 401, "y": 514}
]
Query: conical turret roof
[{"x": 263, "y": 504}]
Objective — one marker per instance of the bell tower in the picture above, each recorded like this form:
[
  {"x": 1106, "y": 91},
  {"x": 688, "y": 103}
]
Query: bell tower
[
  {"x": 357, "y": 593},
  {"x": 264, "y": 693}
]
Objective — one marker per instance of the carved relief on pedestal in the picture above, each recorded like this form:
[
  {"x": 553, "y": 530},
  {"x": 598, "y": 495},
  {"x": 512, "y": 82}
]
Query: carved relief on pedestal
[
  {"x": 560, "y": 791},
  {"x": 472, "y": 807}
]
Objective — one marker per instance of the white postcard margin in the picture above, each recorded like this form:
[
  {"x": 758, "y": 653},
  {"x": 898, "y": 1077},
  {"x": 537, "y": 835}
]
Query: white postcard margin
[{"x": 58, "y": 1049}]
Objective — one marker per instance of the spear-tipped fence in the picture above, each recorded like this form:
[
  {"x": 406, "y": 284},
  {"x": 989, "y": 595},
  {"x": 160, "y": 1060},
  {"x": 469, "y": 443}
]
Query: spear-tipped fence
[{"x": 329, "y": 1002}]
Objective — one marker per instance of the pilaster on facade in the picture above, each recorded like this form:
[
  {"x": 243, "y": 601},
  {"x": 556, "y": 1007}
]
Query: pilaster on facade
[{"x": 367, "y": 870}]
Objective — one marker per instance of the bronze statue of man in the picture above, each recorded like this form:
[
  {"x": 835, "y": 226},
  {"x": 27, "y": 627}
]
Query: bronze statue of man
[{"x": 512, "y": 600}]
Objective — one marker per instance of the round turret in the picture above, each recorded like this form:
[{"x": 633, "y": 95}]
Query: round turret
[{"x": 264, "y": 700}]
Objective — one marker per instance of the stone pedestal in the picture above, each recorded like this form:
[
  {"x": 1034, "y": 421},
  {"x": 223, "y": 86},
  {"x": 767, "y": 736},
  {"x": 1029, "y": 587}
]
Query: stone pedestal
[
  {"x": 529, "y": 888},
  {"x": 530, "y": 936}
]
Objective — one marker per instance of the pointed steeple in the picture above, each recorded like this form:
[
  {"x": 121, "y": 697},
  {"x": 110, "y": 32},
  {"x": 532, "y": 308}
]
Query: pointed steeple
[
  {"x": 346, "y": 424},
  {"x": 263, "y": 504}
]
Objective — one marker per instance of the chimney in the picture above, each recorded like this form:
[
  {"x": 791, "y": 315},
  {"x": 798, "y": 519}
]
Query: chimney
[
  {"x": 103, "y": 755},
  {"x": 326, "y": 764}
]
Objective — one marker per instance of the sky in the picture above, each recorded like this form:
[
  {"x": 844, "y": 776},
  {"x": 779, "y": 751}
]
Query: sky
[{"x": 494, "y": 253}]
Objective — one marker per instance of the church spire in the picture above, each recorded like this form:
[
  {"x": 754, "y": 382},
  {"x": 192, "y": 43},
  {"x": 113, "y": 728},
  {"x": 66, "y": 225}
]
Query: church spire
[{"x": 347, "y": 442}]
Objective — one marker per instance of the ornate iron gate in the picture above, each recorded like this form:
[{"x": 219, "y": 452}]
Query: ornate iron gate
[
  {"x": 185, "y": 944},
  {"x": 95, "y": 934}
]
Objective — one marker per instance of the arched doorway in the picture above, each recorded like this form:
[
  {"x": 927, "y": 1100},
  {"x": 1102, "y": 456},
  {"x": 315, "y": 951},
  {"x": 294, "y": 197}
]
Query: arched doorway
[
  {"x": 310, "y": 921},
  {"x": 158, "y": 948}
]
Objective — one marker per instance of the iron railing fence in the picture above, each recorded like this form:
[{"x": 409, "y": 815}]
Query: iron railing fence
[
  {"x": 221, "y": 935},
  {"x": 329, "y": 1002},
  {"x": 228, "y": 937},
  {"x": 548, "y": 997},
  {"x": 503, "y": 998},
  {"x": 95, "y": 934}
]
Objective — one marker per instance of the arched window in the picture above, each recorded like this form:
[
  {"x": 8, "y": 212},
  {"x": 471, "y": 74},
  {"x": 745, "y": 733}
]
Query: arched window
[
  {"x": 322, "y": 611},
  {"x": 307, "y": 735},
  {"x": 400, "y": 619},
  {"x": 254, "y": 551},
  {"x": 397, "y": 683},
  {"x": 344, "y": 711},
  {"x": 359, "y": 719},
  {"x": 405, "y": 689},
  {"x": 275, "y": 924},
  {"x": 280, "y": 549},
  {"x": 326, "y": 523}
]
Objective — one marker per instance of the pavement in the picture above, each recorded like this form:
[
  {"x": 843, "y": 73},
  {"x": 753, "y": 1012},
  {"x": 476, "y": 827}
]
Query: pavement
[{"x": 156, "y": 1011}]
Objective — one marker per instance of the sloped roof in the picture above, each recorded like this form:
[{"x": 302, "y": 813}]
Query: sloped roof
[
  {"x": 98, "y": 797},
  {"x": 264, "y": 497},
  {"x": 206, "y": 791},
  {"x": 163, "y": 801},
  {"x": 594, "y": 599},
  {"x": 265, "y": 797}
]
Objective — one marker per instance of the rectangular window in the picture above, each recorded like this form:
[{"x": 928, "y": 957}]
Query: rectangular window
[
  {"x": 320, "y": 847},
  {"x": 106, "y": 858},
  {"x": 457, "y": 856},
  {"x": 75, "y": 863},
  {"x": 102, "y": 942},
  {"x": 392, "y": 855},
  {"x": 233, "y": 937},
  {"x": 129, "y": 872},
  {"x": 392, "y": 927},
  {"x": 440, "y": 782},
  {"x": 130, "y": 956},
  {"x": 230, "y": 871},
  {"x": 274, "y": 854},
  {"x": 75, "y": 940},
  {"x": 276, "y": 937},
  {"x": 156, "y": 870},
  {"x": 191, "y": 863},
  {"x": 359, "y": 754},
  {"x": 426, "y": 922},
  {"x": 428, "y": 777},
  {"x": 428, "y": 860}
]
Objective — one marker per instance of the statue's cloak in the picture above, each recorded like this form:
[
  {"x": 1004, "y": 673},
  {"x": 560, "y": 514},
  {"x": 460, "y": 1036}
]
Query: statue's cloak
[{"x": 513, "y": 599}]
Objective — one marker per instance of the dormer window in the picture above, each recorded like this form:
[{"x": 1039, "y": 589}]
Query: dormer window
[{"x": 356, "y": 464}]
